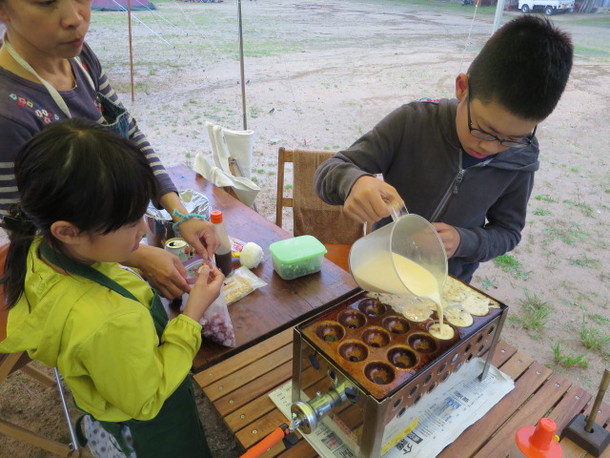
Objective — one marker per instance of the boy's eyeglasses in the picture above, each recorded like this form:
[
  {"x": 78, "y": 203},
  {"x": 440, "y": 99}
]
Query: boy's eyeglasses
[{"x": 482, "y": 135}]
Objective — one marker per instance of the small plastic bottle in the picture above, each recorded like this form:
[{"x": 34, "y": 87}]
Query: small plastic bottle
[
  {"x": 223, "y": 256},
  {"x": 537, "y": 441}
]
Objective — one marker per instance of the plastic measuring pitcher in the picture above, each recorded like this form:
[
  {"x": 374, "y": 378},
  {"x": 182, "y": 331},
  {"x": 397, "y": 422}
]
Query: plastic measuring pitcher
[{"x": 405, "y": 256}]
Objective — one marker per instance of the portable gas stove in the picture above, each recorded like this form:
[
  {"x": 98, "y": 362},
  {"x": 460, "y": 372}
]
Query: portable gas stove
[{"x": 359, "y": 365}]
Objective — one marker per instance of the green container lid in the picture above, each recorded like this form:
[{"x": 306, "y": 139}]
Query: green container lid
[{"x": 297, "y": 249}]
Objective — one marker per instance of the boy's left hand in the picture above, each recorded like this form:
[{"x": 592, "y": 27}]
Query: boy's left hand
[{"x": 449, "y": 236}]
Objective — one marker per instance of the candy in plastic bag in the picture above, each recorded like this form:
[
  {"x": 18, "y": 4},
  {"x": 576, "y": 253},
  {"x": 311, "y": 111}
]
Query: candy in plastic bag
[
  {"x": 216, "y": 322},
  {"x": 217, "y": 325}
]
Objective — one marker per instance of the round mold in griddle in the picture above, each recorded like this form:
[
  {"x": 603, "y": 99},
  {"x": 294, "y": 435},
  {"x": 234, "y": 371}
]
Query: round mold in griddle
[
  {"x": 402, "y": 357},
  {"x": 353, "y": 351},
  {"x": 352, "y": 319},
  {"x": 446, "y": 326},
  {"x": 379, "y": 373},
  {"x": 395, "y": 324},
  {"x": 376, "y": 337},
  {"x": 372, "y": 307},
  {"x": 422, "y": 343},
  {"x": 330, "y": 331}
]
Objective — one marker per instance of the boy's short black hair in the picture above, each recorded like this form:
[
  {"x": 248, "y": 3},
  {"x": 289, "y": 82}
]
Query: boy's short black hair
[{"x": 524, "y": 67}]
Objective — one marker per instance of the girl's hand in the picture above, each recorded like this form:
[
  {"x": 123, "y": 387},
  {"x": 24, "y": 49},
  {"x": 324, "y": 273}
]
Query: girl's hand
[{"x": 205, "y": 290}]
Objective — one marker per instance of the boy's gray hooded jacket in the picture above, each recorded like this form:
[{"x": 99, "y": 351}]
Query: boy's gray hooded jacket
[{"x": 416, "y": 149}]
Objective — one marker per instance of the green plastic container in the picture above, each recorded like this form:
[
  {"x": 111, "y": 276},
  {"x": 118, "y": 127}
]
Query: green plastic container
[{"x": 298, "y": 256}]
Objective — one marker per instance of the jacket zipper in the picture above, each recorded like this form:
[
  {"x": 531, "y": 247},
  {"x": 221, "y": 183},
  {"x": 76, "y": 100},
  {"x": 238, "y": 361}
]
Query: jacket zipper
[{"x": 452, "y": 189}]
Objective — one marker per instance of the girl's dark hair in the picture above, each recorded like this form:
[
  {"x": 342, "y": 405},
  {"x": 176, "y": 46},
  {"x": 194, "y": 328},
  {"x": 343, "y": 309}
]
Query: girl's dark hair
[
  {"x": 76, "y": 171},
  {"x": 524, "y": 67}
]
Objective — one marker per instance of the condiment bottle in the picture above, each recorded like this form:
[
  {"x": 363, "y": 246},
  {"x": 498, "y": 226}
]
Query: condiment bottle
[
  {"x": 223, "y": 256},
  {"x": 537, "y": 441}
]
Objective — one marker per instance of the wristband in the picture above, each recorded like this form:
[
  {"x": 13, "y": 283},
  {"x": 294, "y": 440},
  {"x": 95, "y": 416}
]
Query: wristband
[{"x": 185, "y": 217}]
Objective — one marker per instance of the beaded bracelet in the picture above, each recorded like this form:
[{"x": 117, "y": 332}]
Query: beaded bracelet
[{"x": 185, "y": 217}]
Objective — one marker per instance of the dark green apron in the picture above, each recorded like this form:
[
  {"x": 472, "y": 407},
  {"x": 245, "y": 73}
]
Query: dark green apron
[{"x": 176, "y": 431}]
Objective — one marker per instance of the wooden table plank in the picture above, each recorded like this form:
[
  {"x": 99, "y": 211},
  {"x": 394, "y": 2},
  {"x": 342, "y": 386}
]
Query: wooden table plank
[
  {"x": 272, "y": 308},
  {"x": 243, "y": 359},
  {"x": 300, "y": 450},
  {"x": 250, "y": 412},
  {"x": 573, "y": 403},
  {"x": 254, "y": 389},
  {"x": 502, "y": 353},
  {"x": 265, "y": 365},
  {"x": 251, "y": 434},
  {"x": 531, "y": 375},
  {"x": 543, "y": 400}
]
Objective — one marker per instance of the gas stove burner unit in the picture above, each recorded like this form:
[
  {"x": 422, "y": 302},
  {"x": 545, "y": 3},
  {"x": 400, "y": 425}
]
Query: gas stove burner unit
[{"x": 359, "y": 365}]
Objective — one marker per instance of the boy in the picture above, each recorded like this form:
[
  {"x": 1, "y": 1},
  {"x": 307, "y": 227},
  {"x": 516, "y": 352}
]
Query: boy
[{"x": 468, "y": 164}]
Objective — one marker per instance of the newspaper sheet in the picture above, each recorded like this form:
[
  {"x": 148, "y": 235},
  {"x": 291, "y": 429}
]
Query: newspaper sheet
[{"x": 440, "y": 416}]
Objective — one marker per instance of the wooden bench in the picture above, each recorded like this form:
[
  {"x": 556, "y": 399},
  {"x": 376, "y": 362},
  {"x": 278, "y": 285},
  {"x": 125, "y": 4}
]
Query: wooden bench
[{"x": 238, "y": 388}]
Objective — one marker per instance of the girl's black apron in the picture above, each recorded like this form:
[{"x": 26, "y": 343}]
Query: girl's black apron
[{"x": 176, "y": 431}]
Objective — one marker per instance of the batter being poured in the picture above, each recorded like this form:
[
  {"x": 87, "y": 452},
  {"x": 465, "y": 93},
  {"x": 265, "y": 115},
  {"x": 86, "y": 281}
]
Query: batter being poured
[{"x": 372, "y": 275}]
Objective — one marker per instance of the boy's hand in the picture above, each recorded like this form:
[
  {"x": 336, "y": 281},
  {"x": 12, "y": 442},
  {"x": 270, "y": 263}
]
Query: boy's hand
[
  {"x": 371, "y": 199},
  {"x": 162, "y": 269},
  {"x": 449, "y": 236},
  {"x": 205, "y": 290}
]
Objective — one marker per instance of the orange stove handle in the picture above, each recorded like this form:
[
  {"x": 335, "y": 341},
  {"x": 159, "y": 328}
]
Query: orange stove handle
[{"x": 266, "y": 443}]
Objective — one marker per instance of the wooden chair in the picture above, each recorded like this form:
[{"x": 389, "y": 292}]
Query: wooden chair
[
  {"x": 310, "y": 214},
  {"x": 12, "y": 362}
]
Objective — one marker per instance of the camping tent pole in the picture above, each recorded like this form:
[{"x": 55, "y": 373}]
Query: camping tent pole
[
  {"x": 241, "y": 65},
  {"x": 498, "y": 15},
  {"x": 130, "y": 50}
]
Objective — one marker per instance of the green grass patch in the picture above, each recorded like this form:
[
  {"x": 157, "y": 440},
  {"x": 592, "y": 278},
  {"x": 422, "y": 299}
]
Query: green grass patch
[
  {"x": 568, "y": 361},
  {"x": 542, "y": 212},
  {"x": 584, "y": 261},
  {"x": 534, "y": 312},
  {"x": 590, "y": 52},
  {"x": 586, "y": 209},
  {"x": 569, "y": 235},
  {"x": 593, "y": 338},
  {"x": 599, "y": 319},
  {"x": 510, "y": 265},
  {"x": 545, "y": 198}
]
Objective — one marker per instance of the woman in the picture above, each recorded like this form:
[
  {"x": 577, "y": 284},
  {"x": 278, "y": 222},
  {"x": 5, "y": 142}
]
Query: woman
[{"x": 48, "y": 74}]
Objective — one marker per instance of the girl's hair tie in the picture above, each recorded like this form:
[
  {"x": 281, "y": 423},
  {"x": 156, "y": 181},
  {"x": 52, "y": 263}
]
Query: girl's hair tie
[{"x": 19, "y": 223}]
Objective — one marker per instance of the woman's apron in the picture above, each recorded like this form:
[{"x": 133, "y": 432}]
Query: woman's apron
[
  {"x": 176, "y": 430},
  {"x": 116, "y": 117}
]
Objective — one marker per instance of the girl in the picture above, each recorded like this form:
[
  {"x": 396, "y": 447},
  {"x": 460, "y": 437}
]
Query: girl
[
  {"x": 47, "y": 74},
  {"x": 84, "y": 191}
]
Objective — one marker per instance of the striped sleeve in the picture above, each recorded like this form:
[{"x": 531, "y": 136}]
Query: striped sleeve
[
  {"x": 12, "y": 136},
  {"x": 135, "y": 134}
]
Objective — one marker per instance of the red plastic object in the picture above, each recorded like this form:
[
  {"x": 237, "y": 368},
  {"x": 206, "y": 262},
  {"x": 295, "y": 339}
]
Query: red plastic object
[
  {"x": 269, "y": 441},
  {"x": 538, "y": 441}
]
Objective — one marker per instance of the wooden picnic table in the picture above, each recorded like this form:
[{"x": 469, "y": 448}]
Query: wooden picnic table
[
  {"x": 239, "y": 386},
  {"x": 280, "y": 304}
]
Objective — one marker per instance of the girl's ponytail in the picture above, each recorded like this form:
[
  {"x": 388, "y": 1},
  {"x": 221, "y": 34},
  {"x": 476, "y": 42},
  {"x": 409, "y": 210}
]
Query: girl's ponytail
[{"x": 21, "y": 232}]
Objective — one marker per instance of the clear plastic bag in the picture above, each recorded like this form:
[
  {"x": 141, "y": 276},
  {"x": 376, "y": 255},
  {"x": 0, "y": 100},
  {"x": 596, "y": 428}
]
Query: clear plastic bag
[
  {"x": 239, "y": 284},
  {"x": 216, "y": 322},
  {"x": 217, "y": 325}
]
